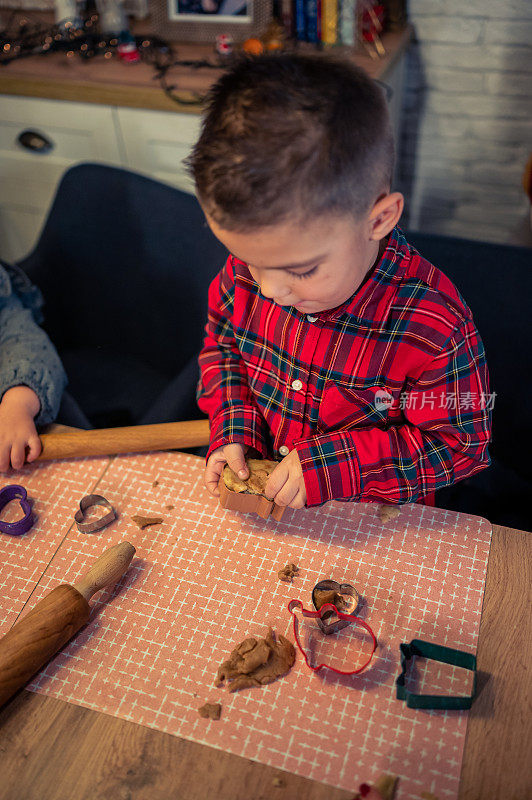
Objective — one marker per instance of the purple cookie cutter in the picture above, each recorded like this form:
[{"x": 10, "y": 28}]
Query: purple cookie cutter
[{"x": 20, "y": 526}]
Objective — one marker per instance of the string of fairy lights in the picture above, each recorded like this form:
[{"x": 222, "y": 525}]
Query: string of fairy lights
[{"x": 22, "y": 38}]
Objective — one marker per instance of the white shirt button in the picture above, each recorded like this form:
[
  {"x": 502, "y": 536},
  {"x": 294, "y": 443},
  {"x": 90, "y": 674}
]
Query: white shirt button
[
  {"x": 297, "y": 385},
  {"x": 284, "y": 450},
  {"x": 311, "y": 318}
]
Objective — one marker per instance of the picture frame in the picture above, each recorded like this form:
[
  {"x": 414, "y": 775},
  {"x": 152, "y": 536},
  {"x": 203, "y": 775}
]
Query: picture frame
[{"x": 188, "y": 21}]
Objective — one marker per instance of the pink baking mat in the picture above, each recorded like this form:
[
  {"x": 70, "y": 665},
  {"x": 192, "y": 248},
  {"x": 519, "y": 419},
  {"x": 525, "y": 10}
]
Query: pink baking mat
[
  {"x": 206, "y": 578},
  {"x": 54, "y": 491}
]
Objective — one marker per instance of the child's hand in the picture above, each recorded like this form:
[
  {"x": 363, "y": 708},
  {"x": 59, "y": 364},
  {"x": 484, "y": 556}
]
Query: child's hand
[
  {"x": 19, "y": 406},
  {"x": 233, "y": 456},
  {"x": 286, "y": 484}
]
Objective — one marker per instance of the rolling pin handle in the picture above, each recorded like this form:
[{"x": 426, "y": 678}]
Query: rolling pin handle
[{"x": 106, "y": 570}]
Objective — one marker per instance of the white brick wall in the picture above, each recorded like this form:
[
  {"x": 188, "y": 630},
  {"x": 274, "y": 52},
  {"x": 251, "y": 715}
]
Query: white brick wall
[{"x": 467, "y": 118}]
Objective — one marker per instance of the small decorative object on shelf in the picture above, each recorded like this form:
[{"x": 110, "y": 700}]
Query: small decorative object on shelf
[
  {"x": 224, "y": 44},
  {"x": 371, "y": 16},
  {"x": 253, "y": 46},
  {"x": 127, "y": 49},
  {"x": 275, "y": 36}
]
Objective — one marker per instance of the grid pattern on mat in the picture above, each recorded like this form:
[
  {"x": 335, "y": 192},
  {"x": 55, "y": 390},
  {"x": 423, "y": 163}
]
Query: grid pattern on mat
[
  {"x": 54, "y": 491},
  {"x": 206, "y": 578}
]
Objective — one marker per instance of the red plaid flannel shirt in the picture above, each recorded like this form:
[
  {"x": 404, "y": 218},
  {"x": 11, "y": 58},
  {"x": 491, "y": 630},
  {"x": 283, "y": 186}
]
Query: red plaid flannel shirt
[{"x": 384, "y": 398}]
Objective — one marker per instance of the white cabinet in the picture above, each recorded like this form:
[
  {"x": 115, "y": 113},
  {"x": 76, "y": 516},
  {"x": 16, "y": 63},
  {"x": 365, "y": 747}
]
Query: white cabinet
[
  {"x": 152, "y": 142},
  {"x": 156, "y": 142},
  {"x": 28, "y": 178}
]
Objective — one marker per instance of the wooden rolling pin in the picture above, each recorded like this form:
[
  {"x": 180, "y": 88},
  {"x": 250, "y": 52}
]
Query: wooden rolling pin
[
  {"x": 32, "y": 642},
  {"x": 72, "y": 443}
]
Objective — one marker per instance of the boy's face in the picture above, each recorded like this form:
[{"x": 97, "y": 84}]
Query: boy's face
[{"x": 313, "y": 267}]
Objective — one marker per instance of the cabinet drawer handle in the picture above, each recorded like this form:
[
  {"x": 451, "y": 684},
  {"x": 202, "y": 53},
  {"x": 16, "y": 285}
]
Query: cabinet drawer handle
[{"x": 37, "y": 142}]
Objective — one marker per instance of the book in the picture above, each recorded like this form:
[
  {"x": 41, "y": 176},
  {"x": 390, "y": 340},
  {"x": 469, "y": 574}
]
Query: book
[
  {"x": 312, "y": 21},
  {"x": 329, "y": 21},
  {"x": 300, "y": 20},
  {"x": 347, "y": 27}
]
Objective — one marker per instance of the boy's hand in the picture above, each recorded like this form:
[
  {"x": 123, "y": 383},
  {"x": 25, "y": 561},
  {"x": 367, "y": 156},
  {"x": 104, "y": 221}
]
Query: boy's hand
[
  {"x": 233, "y": 456},
  {"x": 19, "y": 406},
  {"x": 286, "y": 484}
]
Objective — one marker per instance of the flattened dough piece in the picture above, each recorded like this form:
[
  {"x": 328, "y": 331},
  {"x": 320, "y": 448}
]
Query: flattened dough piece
[
  {"x": 323, "y": 596},
  {"x": 144, "y": 522},
  {"x": 259, "y": 471},
  {"x": 387, "y": 513},
  {"x": 257, "y": 662}
]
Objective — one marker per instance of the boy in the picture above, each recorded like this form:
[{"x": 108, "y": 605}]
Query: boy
[
  {"x": 330, "y": 343},
  {"x": 32, "y": 377}
]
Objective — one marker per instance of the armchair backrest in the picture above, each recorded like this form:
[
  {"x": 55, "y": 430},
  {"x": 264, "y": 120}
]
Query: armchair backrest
[{"x": 125, "y": 262}]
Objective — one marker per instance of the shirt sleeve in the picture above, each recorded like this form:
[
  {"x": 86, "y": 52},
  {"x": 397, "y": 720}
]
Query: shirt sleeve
[
  {"x": 223, "y": 390},
  {"x": 28, "y": 357},
  {"x": 443, "y": 437}
]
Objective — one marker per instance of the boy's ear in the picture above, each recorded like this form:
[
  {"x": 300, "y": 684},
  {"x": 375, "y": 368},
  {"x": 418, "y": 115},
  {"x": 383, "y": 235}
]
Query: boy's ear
[{"x": 385, "y": 214}]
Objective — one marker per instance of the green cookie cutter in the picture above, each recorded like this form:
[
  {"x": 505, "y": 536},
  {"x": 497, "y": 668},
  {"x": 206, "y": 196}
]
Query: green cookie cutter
[{"x": 436, "y": 652}]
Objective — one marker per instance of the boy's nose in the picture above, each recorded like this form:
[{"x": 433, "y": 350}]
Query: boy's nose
[{"x": 273, "y": 287}]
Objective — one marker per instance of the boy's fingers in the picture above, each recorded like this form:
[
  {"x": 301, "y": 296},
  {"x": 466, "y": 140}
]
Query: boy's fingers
[
  {"x": 298, "y": 501},
  {"x": 18, "y": 454},
  {"x": 212, "y": 476},
  {"x": 236, "y": 461},
  {"x": 287, "y": 494},
  {"x": 276, "y": 481},
  {"x": 34, "y": 448}
]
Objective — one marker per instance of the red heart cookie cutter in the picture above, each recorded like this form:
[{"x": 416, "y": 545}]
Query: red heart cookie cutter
[{"x": 327, "y": 608}]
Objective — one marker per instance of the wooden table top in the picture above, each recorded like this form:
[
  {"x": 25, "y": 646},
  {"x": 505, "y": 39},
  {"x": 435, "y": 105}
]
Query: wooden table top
[
  {"x": 50, "y": 750},
  {"x": 55, "y": 76}
]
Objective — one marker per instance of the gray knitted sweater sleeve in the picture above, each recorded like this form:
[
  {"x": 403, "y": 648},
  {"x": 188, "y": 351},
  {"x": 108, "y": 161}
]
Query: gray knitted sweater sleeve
[{"x": 27, "y": 355}]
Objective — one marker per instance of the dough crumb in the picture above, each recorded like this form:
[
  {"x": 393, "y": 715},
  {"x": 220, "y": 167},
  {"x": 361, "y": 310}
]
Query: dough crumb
[
  {"x": 155, "y": 483},
  {"x": 256, "y": 662},
  {"x": 287, "y": 573},
  {"x": 210, "y": 711},
  {"x": 387, "y": 513},
  {"x": 143, "y": 522},
  {"x": 386, "y": 785}
]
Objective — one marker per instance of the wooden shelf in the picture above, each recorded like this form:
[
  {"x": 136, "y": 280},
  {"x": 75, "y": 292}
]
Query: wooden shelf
[{"x": 110, "y": 82}]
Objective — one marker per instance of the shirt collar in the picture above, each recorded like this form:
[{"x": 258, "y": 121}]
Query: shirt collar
[{"x": 389, "y": 269}]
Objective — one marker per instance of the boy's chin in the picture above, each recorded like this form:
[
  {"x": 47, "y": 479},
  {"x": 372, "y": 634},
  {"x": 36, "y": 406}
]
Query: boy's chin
[{"x": 308, "y": 307}]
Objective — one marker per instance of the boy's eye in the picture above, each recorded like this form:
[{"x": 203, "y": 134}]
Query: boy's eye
[{"x": 303, "y": 274}]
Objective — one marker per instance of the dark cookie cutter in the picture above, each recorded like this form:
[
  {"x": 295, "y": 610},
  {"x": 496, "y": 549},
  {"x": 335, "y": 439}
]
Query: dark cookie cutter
[
  {"x": 338, "y": 622},
  {"x": 16, "y": 492},
  {"x": 98, "y": 524},
  {"x": 436, "y": 652}
]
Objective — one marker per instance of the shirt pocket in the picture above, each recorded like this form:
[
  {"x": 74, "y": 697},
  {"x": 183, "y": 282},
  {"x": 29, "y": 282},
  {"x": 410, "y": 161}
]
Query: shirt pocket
[{"x": 343, "y": 408}]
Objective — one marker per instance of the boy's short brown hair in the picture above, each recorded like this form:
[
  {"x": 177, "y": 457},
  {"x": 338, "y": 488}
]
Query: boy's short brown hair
[{"x": 292, "y": 136}]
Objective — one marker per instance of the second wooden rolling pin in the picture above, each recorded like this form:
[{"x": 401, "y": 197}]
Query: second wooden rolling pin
[
  {"x": 32, "y": 642},
  {"x": 73, "y": 443}
]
